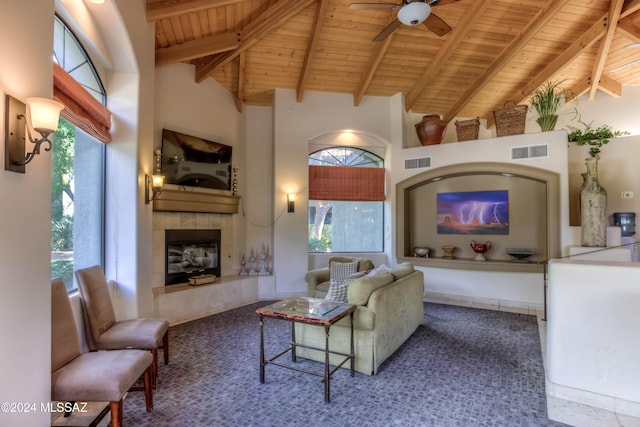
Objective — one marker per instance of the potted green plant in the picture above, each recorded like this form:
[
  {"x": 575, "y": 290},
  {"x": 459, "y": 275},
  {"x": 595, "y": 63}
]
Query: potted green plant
[
  {"x": 546, "y": 100},
  {"x": 595, "y": 138}
]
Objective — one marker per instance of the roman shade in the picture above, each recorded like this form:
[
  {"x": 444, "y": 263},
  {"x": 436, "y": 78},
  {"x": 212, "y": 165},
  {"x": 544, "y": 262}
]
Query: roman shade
[
  {"x": 80, "y": 107},
  {"x": 346, "y": 183}
]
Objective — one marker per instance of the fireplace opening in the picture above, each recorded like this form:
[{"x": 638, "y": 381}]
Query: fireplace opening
[{"x": 191, "y": 253}]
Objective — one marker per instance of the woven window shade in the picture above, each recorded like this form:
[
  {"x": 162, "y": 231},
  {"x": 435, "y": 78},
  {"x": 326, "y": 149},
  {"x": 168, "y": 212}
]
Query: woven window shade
[
  {"x": 346, "y": 183},
  {"x": 80, "y": 108}
]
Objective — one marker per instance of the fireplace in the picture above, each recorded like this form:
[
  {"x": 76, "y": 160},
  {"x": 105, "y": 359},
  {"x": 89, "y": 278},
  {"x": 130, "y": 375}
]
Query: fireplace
[{"x": 191, "y": 253}]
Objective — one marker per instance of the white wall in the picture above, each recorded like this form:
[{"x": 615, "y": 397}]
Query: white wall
[
  {"x": 592, "y": 333},
  {"x": 26, "y": 40},
  {"x": 295, "y": 124}
]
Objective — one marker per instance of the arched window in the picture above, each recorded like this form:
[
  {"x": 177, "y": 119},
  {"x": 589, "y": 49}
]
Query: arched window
[
  {"x": 346, "y": 200},
  {"x": 77, "y": 173}
]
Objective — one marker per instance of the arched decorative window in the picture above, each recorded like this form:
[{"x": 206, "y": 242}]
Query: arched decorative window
[
  {"x": 71, "y": 56},
  {"x": 77, "y": 171},
  {"x": 346, "y": 200}
]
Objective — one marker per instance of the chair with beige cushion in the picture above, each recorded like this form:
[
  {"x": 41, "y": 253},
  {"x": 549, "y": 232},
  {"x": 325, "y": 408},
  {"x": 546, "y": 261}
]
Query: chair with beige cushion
[
  {"x": 103, "y": 376},
  {"x": 318, "y": 280},
  {"x": 104, "y": 332}
]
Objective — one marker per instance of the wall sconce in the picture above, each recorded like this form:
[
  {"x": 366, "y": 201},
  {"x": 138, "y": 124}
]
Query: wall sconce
[
  {"x": 153, "y": 183},
  {"x": 291, "y": 202},
  {"x": 42, "y": 118}
]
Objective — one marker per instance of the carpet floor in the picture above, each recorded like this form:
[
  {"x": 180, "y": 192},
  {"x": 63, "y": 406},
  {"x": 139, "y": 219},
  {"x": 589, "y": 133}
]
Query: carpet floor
[{"x": 462, "y": 367}]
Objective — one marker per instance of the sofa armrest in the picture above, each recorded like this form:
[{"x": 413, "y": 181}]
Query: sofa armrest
[{"x": 315, "y": 277}]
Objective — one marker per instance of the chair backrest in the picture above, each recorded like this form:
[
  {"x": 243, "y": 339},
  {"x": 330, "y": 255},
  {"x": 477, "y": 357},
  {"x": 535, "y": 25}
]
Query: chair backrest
[
  {"x": 97, "y": 310},
  {"x": 65, "y": 343}
]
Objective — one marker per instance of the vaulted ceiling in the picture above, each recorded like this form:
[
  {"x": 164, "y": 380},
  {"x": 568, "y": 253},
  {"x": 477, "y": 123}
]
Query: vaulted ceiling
[{"x": 497, "y": 50}]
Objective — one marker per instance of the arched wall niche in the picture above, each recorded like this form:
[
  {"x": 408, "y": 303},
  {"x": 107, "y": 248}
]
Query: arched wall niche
[{"x": 534, "y": 212}]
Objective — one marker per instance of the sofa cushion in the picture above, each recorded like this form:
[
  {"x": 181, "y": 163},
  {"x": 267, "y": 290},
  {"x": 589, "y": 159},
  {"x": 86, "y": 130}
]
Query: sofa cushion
[
  {"x": 360, "y": 290},
  {"x": 339, "y": 280},
  {"x": 401, "y": 270}
]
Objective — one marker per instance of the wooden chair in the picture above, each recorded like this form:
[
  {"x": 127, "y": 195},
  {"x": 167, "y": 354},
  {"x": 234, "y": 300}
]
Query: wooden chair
[
  {"x": 103, "y": 376},
  {"x": 104, "y": 332}
]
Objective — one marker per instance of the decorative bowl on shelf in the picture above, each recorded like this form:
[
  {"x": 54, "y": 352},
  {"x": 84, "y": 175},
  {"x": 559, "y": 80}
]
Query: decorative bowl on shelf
[
  {"x": 421, "y": 252},
  {"x": 480, "y": 249},
  {"x": 520, "y": 254},
  {"x": 448, "y": 251}
]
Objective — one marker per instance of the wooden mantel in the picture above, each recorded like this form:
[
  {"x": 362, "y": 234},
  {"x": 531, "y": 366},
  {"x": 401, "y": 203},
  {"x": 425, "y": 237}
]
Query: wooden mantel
[{"x": 180, "y": 200}]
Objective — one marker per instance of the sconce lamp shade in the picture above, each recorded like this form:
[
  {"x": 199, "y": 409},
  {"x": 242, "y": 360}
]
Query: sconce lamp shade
[
  {"x": 44, "y": 114},
  {"x": 414, "y": 13},
  {"x": 157, "y": 181},
  {"x": 41, "y": 116}
]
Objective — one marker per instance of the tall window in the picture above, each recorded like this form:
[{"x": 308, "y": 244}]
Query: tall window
[
  {"x": 77, "y": 173},
  {"x": 346, "y": 204}
]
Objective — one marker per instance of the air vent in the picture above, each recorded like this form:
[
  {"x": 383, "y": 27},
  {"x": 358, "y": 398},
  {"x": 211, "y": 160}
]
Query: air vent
[
  {"x": 529, "y": 151},
  {"x": 417, "y": 163}
]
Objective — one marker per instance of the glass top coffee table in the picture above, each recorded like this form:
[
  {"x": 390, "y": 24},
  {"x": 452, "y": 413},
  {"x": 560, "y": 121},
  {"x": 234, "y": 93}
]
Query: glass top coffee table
[{"x": 312, "y": 311}]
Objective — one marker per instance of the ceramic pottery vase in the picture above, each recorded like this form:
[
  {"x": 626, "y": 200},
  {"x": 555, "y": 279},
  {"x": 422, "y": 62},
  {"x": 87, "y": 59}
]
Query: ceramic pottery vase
[
  {"x": 480, "y": 249},
  {"x": 431, "y": 129},
  {"x": 593, "y": 206},
  {"x": 448, "y": 251},
  {"x": 547, "y": 123}
]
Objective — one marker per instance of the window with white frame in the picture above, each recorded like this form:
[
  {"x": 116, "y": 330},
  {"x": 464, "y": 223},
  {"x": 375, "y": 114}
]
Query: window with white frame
[
  {"x": 77, "y": 173},
  {"x": 346, "y": 201}
]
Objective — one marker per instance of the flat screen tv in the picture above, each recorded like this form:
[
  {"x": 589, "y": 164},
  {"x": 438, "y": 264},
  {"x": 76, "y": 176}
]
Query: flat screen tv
[{"x": 195, "y": 162}]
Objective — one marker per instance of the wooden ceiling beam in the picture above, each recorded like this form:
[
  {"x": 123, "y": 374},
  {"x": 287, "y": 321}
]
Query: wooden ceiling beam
[
  {"x": 197, "y": 48},
  {"x": 264, "y": 24},
  {"x": 581, "y": 87},
  {"x": 162, "y": 9},
  {"x": 309, "y": 54},
  {"x": 242, "y": 65},
  {"x": 585, "y": 41},
  {"x": 543, "y": 16},
  {"x": 630, "y": 7},
  {"x": 610, "y": 86},
  {"x": 615, "y": 9},
  {"x": 457, "y": 36},
  {"x": 379, "y": 52}
]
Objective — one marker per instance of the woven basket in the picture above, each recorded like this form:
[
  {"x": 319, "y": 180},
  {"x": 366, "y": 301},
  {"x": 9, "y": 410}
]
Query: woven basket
[
  {"x": 467, "y": 130},
  {"x": 511, "y": 119}
]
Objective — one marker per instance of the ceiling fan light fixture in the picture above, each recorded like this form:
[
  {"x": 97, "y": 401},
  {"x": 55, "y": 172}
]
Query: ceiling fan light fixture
[{"x": 414, "y": 13}]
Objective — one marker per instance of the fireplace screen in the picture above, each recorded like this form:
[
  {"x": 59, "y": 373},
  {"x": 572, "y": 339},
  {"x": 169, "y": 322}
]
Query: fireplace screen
[{"x": 191, "y": 252}]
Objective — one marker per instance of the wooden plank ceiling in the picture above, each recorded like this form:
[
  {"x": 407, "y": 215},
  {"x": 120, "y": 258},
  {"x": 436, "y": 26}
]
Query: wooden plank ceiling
[{"x": 497, "y": 51}]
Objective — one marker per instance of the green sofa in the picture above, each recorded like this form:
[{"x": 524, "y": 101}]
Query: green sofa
[{"x": 390, "y": 309}]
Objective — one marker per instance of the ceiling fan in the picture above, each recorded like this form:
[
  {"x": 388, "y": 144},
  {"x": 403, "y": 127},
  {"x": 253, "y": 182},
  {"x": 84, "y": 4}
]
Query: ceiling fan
[{"x": 411, "y": 13}]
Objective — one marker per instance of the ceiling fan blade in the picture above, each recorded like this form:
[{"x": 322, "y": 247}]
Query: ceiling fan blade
[
  {"x": 443, "y": 2},
  {"x": 373, "y": 6},
  {"x": 386, "y": 31},
  {"x": 437, "y": 25}
]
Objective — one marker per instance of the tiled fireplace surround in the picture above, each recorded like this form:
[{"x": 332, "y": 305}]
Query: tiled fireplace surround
[{"x": 181, "y": 302}]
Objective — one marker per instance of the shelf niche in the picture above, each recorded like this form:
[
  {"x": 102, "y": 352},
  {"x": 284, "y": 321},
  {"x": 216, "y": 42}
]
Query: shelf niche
[{"x": 534, "y": 216}]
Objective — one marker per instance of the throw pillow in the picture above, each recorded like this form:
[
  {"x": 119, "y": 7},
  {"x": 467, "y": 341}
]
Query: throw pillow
[
  {"x": 339, "y": 280},
  {"x": 381, "y": 267},
  {"x": 401, "y": 270}
]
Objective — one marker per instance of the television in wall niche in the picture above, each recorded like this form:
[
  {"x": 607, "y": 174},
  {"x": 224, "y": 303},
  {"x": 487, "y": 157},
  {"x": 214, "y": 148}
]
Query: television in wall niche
[{"x": 191, "y": 161}]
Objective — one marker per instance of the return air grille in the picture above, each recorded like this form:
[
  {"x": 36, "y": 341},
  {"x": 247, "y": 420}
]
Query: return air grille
[
  {"x": 417, "y": 163},
  {"x": 529, "y": 151}
]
